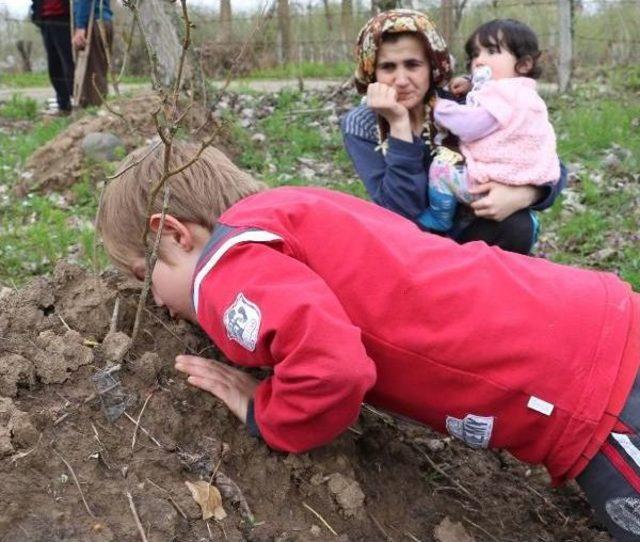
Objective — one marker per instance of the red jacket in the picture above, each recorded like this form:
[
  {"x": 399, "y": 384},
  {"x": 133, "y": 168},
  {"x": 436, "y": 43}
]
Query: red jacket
[{"x": 349, "y": 302}]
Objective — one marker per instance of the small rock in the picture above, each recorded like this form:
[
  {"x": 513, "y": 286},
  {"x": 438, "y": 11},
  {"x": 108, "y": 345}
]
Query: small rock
[
  {"x": 347, "y": 494},
  {"x": 259, "y": 138},
  {"x": 315, "y": 530},
  {"x": 451, "y": 531},
  {"x": 101, "y": 146},
  {"x": 115, "y": 346},
  {"x": 23, "y": 433},
  {"x": 146, "y": 367},
  {"x": 612, "y": 162}
]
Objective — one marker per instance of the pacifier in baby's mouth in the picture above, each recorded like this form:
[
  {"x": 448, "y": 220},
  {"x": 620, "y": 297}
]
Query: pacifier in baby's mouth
[{"x": 480, "y": 75}]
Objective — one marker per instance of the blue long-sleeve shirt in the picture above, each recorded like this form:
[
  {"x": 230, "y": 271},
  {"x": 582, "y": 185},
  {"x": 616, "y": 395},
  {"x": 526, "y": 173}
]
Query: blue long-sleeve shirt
[
  {"x": 399, "y": 180},
  {"x": 82, "y": 10}
]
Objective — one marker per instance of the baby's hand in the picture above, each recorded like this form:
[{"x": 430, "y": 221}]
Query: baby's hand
[
  {"x": 460, "y": 86},
  {"x": 234, "y": 387}
]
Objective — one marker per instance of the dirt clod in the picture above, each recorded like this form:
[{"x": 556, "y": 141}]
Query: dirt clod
[
  {"x": 347, "y": 494},
  {"x": 15, "y": 370},
  {"x": 115, "y": 346},
  {"x": 60, "y": 355}
]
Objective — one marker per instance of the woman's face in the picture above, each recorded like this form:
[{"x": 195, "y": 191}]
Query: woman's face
[{"x": 403, "y": 65}]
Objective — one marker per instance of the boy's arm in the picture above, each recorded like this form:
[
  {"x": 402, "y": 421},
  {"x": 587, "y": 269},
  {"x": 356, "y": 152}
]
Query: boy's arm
[{"x": 264, "y": 308}]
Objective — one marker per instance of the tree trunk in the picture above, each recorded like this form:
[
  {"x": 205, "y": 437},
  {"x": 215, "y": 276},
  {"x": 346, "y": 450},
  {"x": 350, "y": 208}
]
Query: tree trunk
[
  {"x": 284, "y": 31},
  {"x": 446, "y": 20},
  {"x": 225, "y": 21},
  {"x": 160, "y": 24},
  {"x": 327, "y": 15},
  {"x": 24, "y": 48},
  {"x": 346, "y": 25},
  {"x": 565, "y": 24}
]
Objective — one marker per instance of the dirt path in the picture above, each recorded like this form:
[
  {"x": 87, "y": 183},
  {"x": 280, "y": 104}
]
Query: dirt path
[{"x": 41, "y": 94}]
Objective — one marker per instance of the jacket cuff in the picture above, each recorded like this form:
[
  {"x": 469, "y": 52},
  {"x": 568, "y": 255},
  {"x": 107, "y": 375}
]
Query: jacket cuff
[
  {"x": 408, "y": 155},
  {"x": 252, "y": 426}
]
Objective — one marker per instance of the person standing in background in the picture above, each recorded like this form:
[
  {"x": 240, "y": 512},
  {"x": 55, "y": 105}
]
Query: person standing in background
[
  {"x": 53, "y": 19},
  {"x": 93, "y": 36}
]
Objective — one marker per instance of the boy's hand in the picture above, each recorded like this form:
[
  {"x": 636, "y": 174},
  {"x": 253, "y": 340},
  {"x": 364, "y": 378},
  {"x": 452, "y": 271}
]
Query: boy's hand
[
  {"x": 234, "y": 387},
  {"x": 460, "y": 86}
]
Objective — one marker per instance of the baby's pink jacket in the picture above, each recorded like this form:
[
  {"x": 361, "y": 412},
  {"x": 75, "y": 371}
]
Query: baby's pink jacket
[{"x": 523, "y": 150}]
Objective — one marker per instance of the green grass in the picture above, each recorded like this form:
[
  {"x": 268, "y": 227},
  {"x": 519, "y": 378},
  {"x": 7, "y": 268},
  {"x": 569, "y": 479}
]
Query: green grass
[
  {"x": 37, "y": 230},
  {"x": 19, "y": 109},
  {"x": 603, "y": 230},
  {"x": 307, "y": 70},
  {"x": 41, "y": 79}
]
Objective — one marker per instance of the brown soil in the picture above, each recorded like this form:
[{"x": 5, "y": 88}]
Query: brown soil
[
  {"x": 58, "y": 164},
  {"x": 384, "y": 479}
]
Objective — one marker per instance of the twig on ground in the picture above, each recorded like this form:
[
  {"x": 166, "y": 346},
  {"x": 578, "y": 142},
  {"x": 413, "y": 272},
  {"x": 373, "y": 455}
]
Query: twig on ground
[
  {"x": 407, "y": 533},
  {"x": 481, "y": 529},
  {"x": 135, "y": 429},
  {"x": 173, "y": 501},
  {"x": 324, "y": 521},
  {"x": 65, "y": 324},
  {"x": 153, "y": 439},
  {"x": 114, "y": 316},
  {"x": 380, "y": 527},
  {"x": 75, "y": 479},
  {"x": 134, "y": 512}
]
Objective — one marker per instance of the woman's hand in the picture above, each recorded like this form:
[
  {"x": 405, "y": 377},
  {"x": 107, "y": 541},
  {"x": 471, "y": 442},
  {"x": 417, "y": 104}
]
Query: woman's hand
[
  {"x": 383, "y": 99},
  {"x": 234, "y": 387},
  {"x": 499, "y": 200},
  {"x": 460, "y": 86}
]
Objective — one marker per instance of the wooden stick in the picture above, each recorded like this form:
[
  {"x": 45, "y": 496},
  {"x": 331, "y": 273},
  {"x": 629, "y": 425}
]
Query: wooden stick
[
  {"x": 114, "y": 317},
  {"x": 132, "y": 506},
  {"x": 412, "y": 537},
  {"x": 480, "y": 528},
  {"x": 75, "y": 479},
  {"x": 320, "y": 518},
  {"x": 135, "y": 429},
  {"x": 380, "y": 527},
  {"x": 144, "y": 431},
  {"x": 177, "y": 506},
  {"x": 65, "y": 324}
]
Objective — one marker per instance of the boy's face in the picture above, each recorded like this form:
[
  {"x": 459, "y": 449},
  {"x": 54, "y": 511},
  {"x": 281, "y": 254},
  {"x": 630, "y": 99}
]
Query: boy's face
[{"x": 172, "y": 275}]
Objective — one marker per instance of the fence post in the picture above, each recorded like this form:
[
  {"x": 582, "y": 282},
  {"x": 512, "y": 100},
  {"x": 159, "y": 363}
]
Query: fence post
[{"x": 565, "y": 45}]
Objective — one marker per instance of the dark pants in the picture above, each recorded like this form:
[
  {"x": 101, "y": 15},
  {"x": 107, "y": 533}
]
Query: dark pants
[
  {"x": 56, "y": 35},
  {"x": 516, "y": 233},
  {"x": 611, "y": 480}
]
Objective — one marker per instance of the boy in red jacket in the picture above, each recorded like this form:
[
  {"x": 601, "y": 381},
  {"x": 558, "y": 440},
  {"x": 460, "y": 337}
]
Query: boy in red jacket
[{"x": 348, "y": 302}]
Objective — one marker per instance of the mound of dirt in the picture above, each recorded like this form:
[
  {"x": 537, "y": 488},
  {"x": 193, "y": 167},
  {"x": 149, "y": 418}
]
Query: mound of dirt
[
  {"x": 59, "y": 163},
  {"x": 86, "y": 445}
]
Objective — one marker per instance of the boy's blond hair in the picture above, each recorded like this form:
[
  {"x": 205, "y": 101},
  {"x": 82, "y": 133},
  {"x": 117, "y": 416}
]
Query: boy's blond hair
[{"x": 199, "y": 194}]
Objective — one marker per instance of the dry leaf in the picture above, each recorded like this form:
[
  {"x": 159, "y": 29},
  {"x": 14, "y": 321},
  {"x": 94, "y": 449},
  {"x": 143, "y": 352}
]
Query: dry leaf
[
  {"x": 451, "y": 531},
  {"x": 209, "y": 499}
]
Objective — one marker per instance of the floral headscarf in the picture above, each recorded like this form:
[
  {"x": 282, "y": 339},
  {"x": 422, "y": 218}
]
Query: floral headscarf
[
  {"x": 369, "y": 41},
  {"x": 395, "y": 21}
]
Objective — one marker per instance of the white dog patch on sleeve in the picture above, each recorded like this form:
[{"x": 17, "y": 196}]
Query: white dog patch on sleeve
[{"x": 242, "y": 322}]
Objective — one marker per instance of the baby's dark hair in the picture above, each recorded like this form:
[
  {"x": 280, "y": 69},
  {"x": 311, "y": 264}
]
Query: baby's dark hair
[{"x": 520, "y": 40}]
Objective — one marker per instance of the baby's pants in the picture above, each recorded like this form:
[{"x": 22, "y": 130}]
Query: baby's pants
[
  {"x": 448, "y": 185},
  {"x": 611, "y": 480}
]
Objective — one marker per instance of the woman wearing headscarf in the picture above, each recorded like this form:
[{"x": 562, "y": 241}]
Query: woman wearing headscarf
[{"x": 403, "y": 64}]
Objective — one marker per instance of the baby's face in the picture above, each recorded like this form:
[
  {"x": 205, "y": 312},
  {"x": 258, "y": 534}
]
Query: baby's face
[{"x": 497, "y": 58}]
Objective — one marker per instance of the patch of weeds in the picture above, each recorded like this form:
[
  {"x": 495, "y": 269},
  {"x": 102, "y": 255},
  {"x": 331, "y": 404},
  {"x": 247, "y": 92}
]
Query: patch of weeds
[
  {"x": 18, "y": 108},
  {"x": 306, "y": 70},
  {"x": 40, "y": 229}
]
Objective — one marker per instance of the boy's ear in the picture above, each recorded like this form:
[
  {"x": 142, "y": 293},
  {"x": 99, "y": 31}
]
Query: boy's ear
[{"x": 178, "y": 231}]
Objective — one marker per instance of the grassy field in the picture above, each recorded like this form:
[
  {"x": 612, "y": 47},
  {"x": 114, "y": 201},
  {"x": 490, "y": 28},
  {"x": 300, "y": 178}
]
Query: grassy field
[{"x": 595, "y": 226}]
